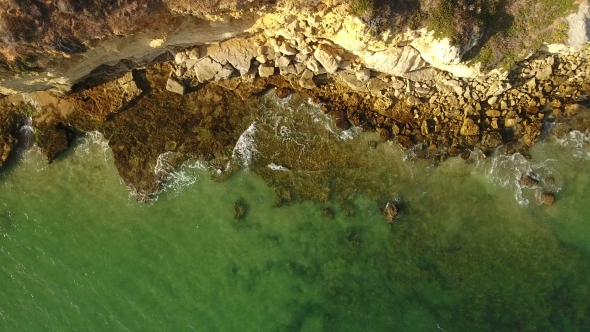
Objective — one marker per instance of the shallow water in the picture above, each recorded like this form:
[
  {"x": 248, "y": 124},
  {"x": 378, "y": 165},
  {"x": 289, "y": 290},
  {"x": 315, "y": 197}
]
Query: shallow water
[{"x": 472, "y": 251}]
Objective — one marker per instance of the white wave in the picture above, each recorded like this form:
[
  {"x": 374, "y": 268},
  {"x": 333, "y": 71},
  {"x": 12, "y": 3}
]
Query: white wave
[
  {"x": 92, "y": 142},
  {"x": 277, "y": 167},
  {"x": 175, "y": 178},
  {"x": 577, "y": 141},
  {"x": 507, "y": 170},
  {"x": 245, "y": 148}
]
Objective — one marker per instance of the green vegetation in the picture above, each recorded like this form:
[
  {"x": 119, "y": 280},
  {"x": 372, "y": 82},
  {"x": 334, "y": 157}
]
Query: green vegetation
[{"x": 361, "y": 8}]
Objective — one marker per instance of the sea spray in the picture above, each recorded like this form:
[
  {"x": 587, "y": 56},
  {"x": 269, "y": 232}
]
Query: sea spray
[
  {"x": 175, "y": 178},
  {"x": 245, "y": 148},
  {"x": 276, "y": 167}
]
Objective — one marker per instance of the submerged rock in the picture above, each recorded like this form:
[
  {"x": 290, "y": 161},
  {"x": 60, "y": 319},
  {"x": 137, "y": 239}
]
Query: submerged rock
[
  {"x": 328, "y": 213},
  {"x": 239, "y": 210},
  {"x": 526, "y": 180},
  {"x": 391, "y": 212}
]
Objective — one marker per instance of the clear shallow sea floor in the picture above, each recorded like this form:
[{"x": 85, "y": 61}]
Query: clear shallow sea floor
[{"x": 77, "y": 253}]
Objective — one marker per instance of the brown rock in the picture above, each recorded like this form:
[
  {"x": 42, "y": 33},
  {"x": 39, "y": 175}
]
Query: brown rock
[
  {"x": 404, "y": 141},
  {"x": 469, "y": 128},
  {"x": 391, "y": 212},
  {"x": 342, "y": 124},
  {"x": 528, "y": 181},
  {"x": 384, "y": 134},
  {"x": 337, "y": 114},
  {"x": 547, "y": 198},
  {"x": 573, "y": 109},
  {"x": 283, "y": 92}
]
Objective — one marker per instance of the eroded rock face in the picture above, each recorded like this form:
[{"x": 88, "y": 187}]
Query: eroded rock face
[{"x": 396, "y": 61}]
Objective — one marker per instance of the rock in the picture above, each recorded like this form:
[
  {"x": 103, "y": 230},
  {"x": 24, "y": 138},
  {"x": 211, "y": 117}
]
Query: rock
[
  {"x": 237, "y": 51},
  {"x": 396, "y": 61},
  {"x": 313, "y": 65},
  {"x": 239, "y": 210},
  {"x": 287, "y": 49},
  {"x": 543, "y": 73},
  {"x": 194, "y": 53},
  {"x": 327, "y": 57},
  {"x": 283, "y": 92},
  {"x": 391, "y": 212},
  {"x": 170, "y": 146},
  {"x": 180, "y": 58},
  {"x": 225, "y": 72},
  {"x": 282, "y": 61},
  {"x": 264, "y": 71},
  {"x": 372, "y": 144},
  {"x": 469, "y": 128},
  {"x": 375, "y": 85},
  {"x": 491, "y": 139},
  {"x": 547, "y": 198},
  {"x": 573, "y": 109},
  {"x": 290, "y": 69},
  {"x": 306, "y": 80},
  {"x": 328, "y": 213},
  {"x": 528, "y": 181},
  {"x": 206, "y": 69},
  {"x": 342, "y": 124},
  {"x": 299, "y": 68},
  {"x": 510, "y": 122},
  {"x": 384, "y": 133},
  {"x": 497, "y": 88},
  {"x": 404, "y": 141},
  {"x": 493, "y": 113},
  {"x": 363, "y": 75},
  {"x": 351, "y": 80},
  {"x": 173, "y": 85}
]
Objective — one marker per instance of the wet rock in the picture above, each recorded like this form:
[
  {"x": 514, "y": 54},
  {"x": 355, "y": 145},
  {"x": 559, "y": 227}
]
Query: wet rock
[
  {"x": 372, "y": 144},
  {"x": 239, "y": 210},
  {"x": 283, "y": 92},
  {"x": 384, "y": 134},
  {"x": 527, "y": 181},
  {"x": 391, "y": 212},
  {"x": 573, "y": 109},
  {"x": 547, "y": 198},
  {"x": 342, "y": 124},
  {"x": 328, "y": 213},
  {"x": 404, "y": 141},
  {"x": 337, "y": 114}
]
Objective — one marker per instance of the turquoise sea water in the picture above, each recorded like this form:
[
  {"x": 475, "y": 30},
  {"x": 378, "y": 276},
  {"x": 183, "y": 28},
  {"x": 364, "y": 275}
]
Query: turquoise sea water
[{"x": 472, "y": 251}]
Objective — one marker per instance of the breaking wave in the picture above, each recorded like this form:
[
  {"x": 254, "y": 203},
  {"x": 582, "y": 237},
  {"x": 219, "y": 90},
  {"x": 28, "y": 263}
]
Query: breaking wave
[{"x": 245, "y": 148}]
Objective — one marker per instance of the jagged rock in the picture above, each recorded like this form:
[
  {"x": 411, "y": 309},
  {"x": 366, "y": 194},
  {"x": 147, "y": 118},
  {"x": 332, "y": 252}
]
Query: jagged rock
[
  {"x": 264, "y": 71},
  {"x": 404, "y": 141},
  {"x": 238, "y": 51},
  {"x": 313, "y": 65},
  {"x": 573, "y": 109},
  {"x": 206, "y": 69},
  {"x": 225, "y": 72},
  {"x": 351, "y": 80},
  {"x": 396, "y": 61},
  {"x": 342, "y": 124},
  {"x": 173, "y": 85},
  {"x": 469, "y": 128},
  {"x": 375, "y": 85},
  {"x": 384, "y": 134},
  {"x": 286, "y": 49},
  {"x": 543, "y": 73},
  {"x": 299, "y": 68},
  {"x": 194, "y": 53},
  {"x": 306, "y": 80},
  {"x": 547, "y": 198},
  {"x": 290, "y": 69},
  {"x": 282, "y": 61},
  {"x": 497, "y": 88},
  {"x": 493, "y": 113},
  {"x": 180, "y": 57},
  {"x": 363, "y": 74},
  {"x": 327, "y": 57}
]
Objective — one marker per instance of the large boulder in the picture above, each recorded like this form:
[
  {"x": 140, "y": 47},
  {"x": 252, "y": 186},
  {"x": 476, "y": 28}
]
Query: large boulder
[
  {"x": 327, "y": 57},
  {"x": 238, "y": 51},
  {"x": 206, "y": 69},
  {"x": 306, "y": 80},
  {"x": 396, "y": 61},
  {"x": 173, "y": 85}
]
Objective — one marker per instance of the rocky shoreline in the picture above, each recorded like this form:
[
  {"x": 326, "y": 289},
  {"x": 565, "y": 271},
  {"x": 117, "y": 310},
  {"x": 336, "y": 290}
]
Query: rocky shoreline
[{"x": 195, "y": 102}]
